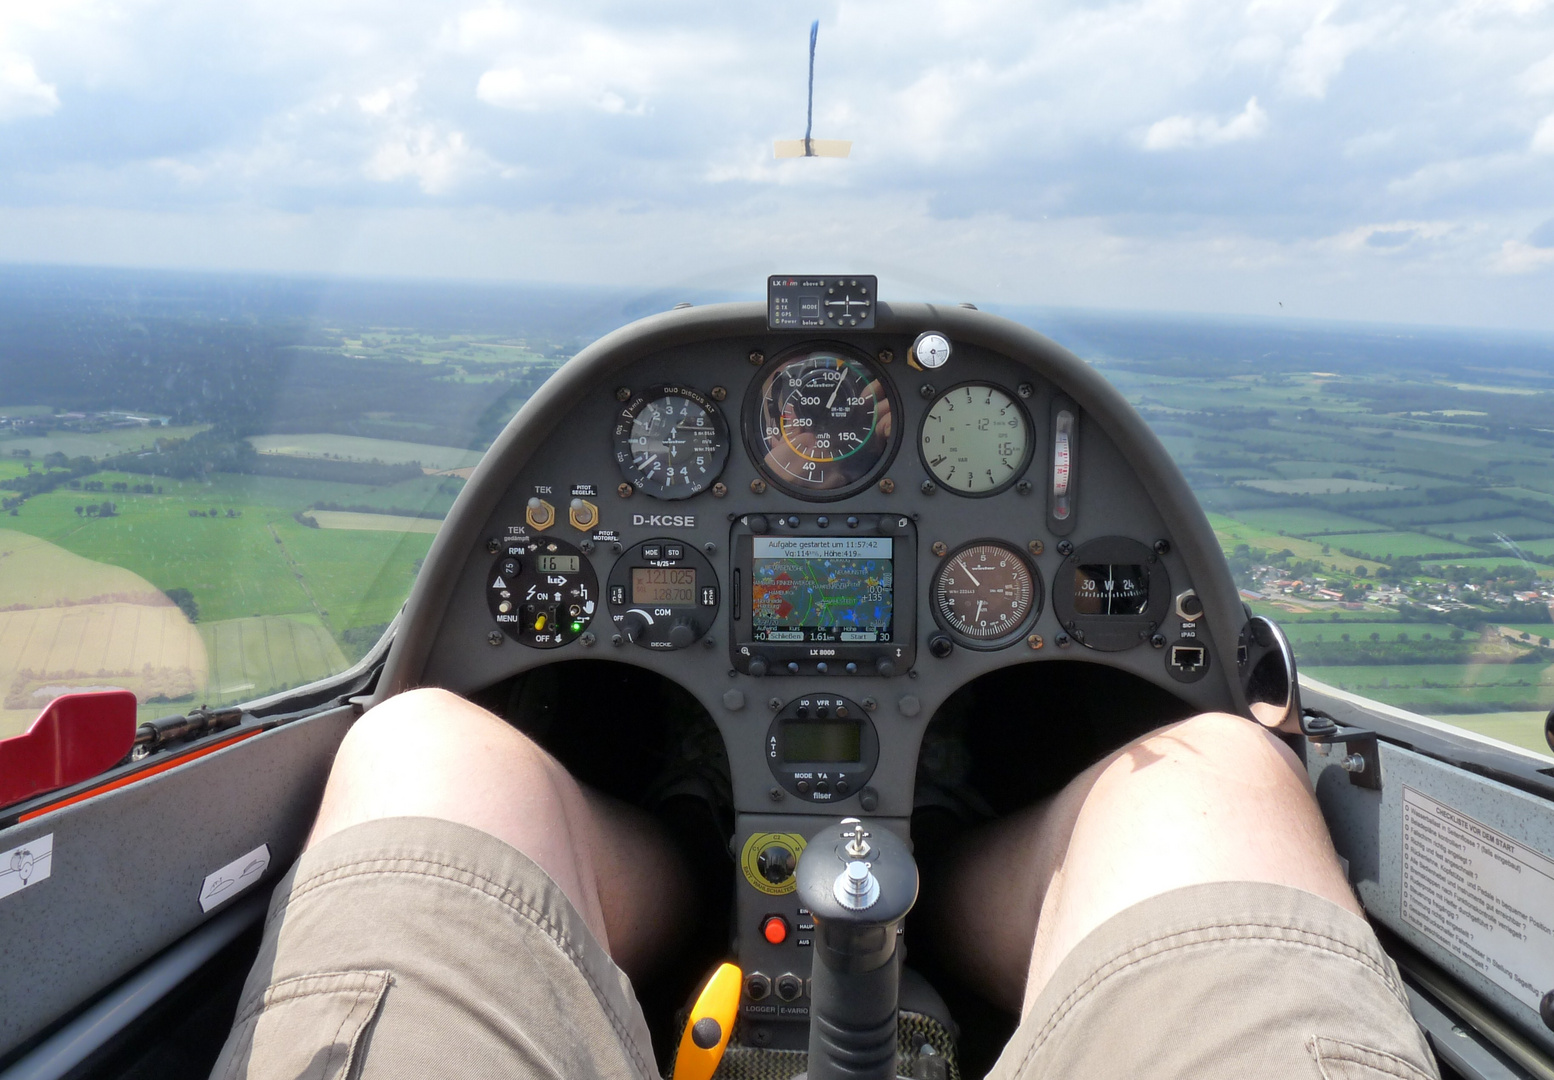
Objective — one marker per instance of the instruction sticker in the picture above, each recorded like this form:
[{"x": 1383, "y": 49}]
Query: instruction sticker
[
  {"x": 27, "y": 864},
  {"x": 221, "y": 885},
  {"x": 1485, "y": 897}
]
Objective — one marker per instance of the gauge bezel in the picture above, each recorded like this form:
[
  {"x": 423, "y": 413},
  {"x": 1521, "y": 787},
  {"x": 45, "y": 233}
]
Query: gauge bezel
[
  {"x": 755, "y": 444},
  {"x": 627, "y": 415},
  {"x": 1030, "y": 440},
  {"x": 1112, "y": 633},
  {"x": 1038, "y": 598}
]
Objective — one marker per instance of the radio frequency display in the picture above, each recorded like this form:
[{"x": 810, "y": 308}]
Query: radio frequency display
[
  {"x": 821, "y": 589},
  {"x": 663, "y": 585}
]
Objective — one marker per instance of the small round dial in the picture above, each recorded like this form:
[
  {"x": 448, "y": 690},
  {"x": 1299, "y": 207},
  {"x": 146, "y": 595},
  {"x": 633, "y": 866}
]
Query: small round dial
[
  {"x": 976, "y": 439},
  {"x": 822, "y": 423},
  {"x": 985, "y": 594},
  {"x": 671, "y": 442}
]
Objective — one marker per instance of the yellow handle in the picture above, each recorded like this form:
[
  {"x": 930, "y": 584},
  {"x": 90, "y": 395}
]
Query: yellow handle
[{"x": 709, "y": 1025}]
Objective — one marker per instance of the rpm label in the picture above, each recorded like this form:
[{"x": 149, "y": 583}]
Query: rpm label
[
  {"x": 769, "y": 860},
  {"x": 1483, "y": 896}
]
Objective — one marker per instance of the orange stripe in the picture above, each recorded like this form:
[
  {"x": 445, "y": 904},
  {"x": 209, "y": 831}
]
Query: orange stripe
[{"x": 125, "y": 781}]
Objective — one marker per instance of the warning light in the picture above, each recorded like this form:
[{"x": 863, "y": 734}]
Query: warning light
[{"x": 577, "y": 627}]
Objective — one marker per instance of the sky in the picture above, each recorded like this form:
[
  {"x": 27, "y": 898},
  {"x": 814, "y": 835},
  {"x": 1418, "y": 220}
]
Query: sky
[{"x": 1357, "y": 159}]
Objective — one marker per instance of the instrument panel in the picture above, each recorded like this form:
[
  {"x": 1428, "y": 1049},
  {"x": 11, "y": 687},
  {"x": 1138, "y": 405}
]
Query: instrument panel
[{"x": 821, "y": 539}]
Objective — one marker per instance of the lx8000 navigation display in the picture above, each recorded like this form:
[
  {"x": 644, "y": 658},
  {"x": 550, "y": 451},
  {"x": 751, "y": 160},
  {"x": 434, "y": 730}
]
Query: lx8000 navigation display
[{"x": 821, "y": 589}]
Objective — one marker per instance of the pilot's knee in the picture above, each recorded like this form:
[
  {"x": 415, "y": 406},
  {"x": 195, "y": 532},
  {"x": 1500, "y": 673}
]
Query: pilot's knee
[
  {"x": 423, "y": 720},
  {"x": 1224, "y": 744}
]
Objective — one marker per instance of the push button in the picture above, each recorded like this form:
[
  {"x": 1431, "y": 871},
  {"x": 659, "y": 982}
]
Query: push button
[
  {"x": 674, "y": 551},
  {"x": 775, "y": 929},
  {"x": 652, "y": 551}
]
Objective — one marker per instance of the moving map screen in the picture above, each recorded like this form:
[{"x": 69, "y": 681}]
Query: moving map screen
[{"x": 821, "y": 589}]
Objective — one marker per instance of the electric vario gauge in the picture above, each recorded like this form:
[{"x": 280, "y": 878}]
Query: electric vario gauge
[
  {"x": 542, "y": 592},
  {"x": 986, "y": 594},
  {"x": 663, "y": 595},
  {"x": 671, "y": 442},
  {"x": 1065, "y": 464}
]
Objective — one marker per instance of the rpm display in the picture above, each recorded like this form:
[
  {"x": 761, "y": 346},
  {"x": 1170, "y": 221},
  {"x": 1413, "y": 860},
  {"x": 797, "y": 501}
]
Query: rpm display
[
  {"x": 671, "y": 442},
  {"x": 976, "y": 439},
  {"x": 822, "y": 423},
  {"x": 985, "y": 594}
]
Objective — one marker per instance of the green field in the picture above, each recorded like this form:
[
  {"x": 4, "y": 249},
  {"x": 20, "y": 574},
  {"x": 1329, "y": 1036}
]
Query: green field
[
  {"x": 398, "y": 523},
  {"x": 252, "y": 657},
  {"x": 1300, "y": 632},
  {"x": 97, "y": 444},
  {"x": 261, "y": 562},
  {"x": 1305, "y": 521},
  {"x": 1397, "y": 544},
  {"x": 1318, "y": 486},
  {"x": 1538, "y": 547},
  {"x": 355, "y": 448},
  {"x": 1515, "y": 527}
]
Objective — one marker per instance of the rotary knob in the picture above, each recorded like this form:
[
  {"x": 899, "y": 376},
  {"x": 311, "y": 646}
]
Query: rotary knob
[
  {"x": 634, "y": 626},
  {"x": 682, "y": 634}
]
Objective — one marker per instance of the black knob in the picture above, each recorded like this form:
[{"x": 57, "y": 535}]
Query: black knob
[
  {"x": 706, "y": 1033},
  {"x": 941, "y": 646},
  {"x": 793, "y": 667},
  {"x": 885, "y": 666},
  {"x": 775, "y": 864},
  {"x": 758, "y": 666},
  {"x": 758, "y": 523},
  {"x": 634, "y": 626},
  {"x": 681, "y": 634}
]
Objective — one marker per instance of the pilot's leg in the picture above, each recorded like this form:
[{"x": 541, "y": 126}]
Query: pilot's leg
[
  {"x": 1178, "y": 909},
  {"x": 463, "y": 907}
]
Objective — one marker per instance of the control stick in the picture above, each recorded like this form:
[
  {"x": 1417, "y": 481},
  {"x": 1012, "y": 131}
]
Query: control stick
[{"x": 859, "y": 881}]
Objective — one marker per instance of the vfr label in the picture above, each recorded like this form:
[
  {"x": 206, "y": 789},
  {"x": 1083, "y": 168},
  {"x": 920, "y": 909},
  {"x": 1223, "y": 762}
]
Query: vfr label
[{"x": 684, "y": 521}]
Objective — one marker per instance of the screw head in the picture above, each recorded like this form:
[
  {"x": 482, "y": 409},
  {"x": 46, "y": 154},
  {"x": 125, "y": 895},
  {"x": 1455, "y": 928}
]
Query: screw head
[
  {"x": 887, "y": 485},
  {"x": 1162, "y": 546},
  {"x": 926, "y": 391},
  {"x": 1061, "y": 640},
  {"x": 718, "y": 393},
  {"x": 585, "y": 545},
  {"x": 493, "y": 545},
  {"x": 1034, "y": 641},
  {"x": 624, "y": 490},
  {"x": 774, "y": 704},
  {"x": 758, "y": 486},
  {"x": 929, "y": 487},
  {"x": 775, "y": 794},
  {"x": 1035, "y": 547},
  {"x": 1024, "y": 487},
  {"x": 869, "y": 703},
  {"x": 622, "y": 393},
  {"x": 719, "y": 490},
  {"x": 588, "y": 637},
  {"x": 939, "y": 547},
  {"x": 1157, "y": 641},
  {"x": 757, "y": 358},
  {"x": 886, "y": 356},
  {"x": 1025, "y": 390},
  {"x": 1065, "y": 547},
  {"x": 494, "y": 638}
]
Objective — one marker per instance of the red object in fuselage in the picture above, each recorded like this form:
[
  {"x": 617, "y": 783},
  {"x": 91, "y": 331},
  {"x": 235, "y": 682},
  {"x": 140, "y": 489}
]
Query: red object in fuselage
[{"x": 77, "y": 737}]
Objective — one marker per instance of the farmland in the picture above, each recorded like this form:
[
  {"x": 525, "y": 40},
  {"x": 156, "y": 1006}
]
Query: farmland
[{"x": 1387, "y": 496}]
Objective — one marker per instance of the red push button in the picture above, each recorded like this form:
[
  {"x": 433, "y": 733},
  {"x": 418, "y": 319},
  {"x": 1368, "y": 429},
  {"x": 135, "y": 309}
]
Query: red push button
[{"x": 775, "y": 929}]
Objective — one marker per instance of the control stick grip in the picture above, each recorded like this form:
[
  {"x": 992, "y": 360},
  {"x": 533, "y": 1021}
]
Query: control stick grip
[{"x": 859, "y": 881}]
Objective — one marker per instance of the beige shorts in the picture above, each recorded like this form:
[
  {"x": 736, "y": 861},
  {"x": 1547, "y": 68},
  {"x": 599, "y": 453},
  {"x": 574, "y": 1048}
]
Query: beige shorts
[{"x": 411, "y": 947}]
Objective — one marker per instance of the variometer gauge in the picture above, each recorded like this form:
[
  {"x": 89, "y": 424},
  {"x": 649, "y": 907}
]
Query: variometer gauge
[
  {"x": 976, "y": 439},
  {"x": 820, "y": 423},
  {"x": 986, "y": 594},
  {"x": 671, "y": 442}
]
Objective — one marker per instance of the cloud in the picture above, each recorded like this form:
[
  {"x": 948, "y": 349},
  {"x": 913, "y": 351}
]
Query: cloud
[
  {"x": 1324, "y": 48},
  {"x": 1516, "y": 257},
  {"x": 1543, "y": 138},
  {"x": 22, "y": 92},
  {"x": 1181, "y": 132}
]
